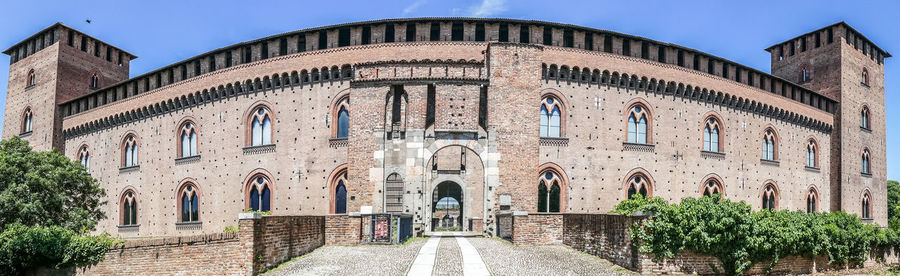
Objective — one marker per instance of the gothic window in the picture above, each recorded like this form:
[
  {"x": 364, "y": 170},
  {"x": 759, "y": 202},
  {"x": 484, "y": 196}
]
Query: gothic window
[
  {"x": 770, "y": 197},
  {"x": 712, "y": 187},
  {"x": 812, "y": 201},
  {"x": 769, "y": 142},
  {"x": 260, "y": 127},
  {"x": 638, "y": 120},
  {"x": 84, "y": 157},
  {"x": 804, "y": 75},
  {"x": 129, "y": 151},
  {"x": 339, "y": 186},
  {"x": 712, "y": 134},
  {"x": 260, "y": 195},
  {"x": 190, "y": 203},
  {"x": 341, "y": 123},
  {"x": 812, "y": 160},
  {"x": 95, "y": 81},
  {"x": 639, "y": 184},
  {"x": 551, "y": 117},
  {"x": 30, "y": 81},
  {"x": 864, "y": 117},
  {"x": 188, "y": 137},
  {"x": 866, "y": 206},
  {"x": 549, "y": 191},
  {"x": 27, "y": 120},
  {"x": 865, "y": 162},
  {"x": 128, "y": 209},
  {"x": 865, "y": 77}
]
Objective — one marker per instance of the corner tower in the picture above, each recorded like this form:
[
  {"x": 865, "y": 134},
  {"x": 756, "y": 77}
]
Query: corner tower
[
  {"x": 51, "y": 67},
  {"x": 840, "y": 63}
]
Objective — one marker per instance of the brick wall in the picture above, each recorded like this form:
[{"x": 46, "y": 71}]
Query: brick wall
[
  {"x": 209, "y": 254},
  {"x": 280, "y": 238},
  {"x": 343, "y": 229}
]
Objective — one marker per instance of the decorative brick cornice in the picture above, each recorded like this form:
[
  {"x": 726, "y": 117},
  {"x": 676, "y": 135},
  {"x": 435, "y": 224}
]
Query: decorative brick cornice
[
  {"x": 338, "y": 143},
  {"x": 129, "y": 169},
  {"x": 712, "y": 155},
  {"x": 638, "y": 147},
  {"x": 418, "y": 81},
  {"x": 768, "y": 162},
  {"x": 259, "y": 149},
  {"x": 187, "y": 160},
  {"x": 554, "y": 141}
]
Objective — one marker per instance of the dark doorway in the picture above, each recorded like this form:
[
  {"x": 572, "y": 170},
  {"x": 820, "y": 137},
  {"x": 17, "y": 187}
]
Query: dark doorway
[{"x": 447, "y": 207}]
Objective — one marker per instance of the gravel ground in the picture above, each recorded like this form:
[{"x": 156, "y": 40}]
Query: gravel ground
[
  {"x": 448, "y": 260},
  {"x": 503, "y": 258},
  {"x": 353, "y": 260}
]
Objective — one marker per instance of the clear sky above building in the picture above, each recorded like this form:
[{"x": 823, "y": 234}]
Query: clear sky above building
[{"x": 164, "y": 32}]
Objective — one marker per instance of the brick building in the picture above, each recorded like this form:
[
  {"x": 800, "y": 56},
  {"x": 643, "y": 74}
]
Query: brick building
[{"x": 501, "y": 115}]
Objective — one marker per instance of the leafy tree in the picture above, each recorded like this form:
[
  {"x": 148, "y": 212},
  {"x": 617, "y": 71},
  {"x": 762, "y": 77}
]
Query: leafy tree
[
  {"x": 893, "y": 204},
  {"x": 23, "y": 247},
  {"x": 46, "y": 189}
]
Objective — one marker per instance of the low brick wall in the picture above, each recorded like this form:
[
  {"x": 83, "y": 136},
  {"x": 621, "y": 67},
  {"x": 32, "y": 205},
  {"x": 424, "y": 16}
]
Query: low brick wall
[
  {"x": 280, "y": 238},
  {"x": 343, "y": 229},
  {"x": 212, "y": 254},
  {"x": 538, "y": 228},
  {"x": 602, "y": 235}
]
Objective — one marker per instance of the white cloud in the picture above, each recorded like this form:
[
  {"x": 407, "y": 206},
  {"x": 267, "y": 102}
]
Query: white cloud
[
  {"x": 414, "y": 6},
  {"x": 487, "y": 8}
]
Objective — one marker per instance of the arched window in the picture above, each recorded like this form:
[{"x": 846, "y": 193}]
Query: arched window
[
  {"x": 769, "y": 144},
  {"x": 770, "y": 197},
  {"x": 260, "y": 127},
  {"x": 128, "y": 208},
  {"x": 95, "y": 81},
  {"x": 30, "y": 81},
  {"x": 865, "y": 77},
  {"x": 188, "y": 136},
  {"x": 260, "y": 195},
  {"x": 712, "y": 187},
  {"x": 341, "y": 113},
  {"x": 27, "y": 120},
  {"x": 129, "y": 151},
  {"x": 551, "y": 117},
  {"x": 639, "y": 183},
  {"x": 549, "y": 191},
  {"x": 84, "y": 157},
  {"x": 812, "y": 201},
  {"x": 712, "y": 135},
  {"x": 637, "y": 124},
  {"x": 812, "y": 160},
  {"x": 804, "y": 75},
  {"x": 189, "y": 203},
  {"x": 339, "y": 189},
  {"x": 865, "y": 162},
  {"x": 866, "y": 206},
  {"x": 864, "y": 117}
]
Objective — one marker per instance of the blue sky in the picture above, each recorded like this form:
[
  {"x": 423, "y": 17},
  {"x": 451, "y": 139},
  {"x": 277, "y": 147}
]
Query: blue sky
[{"x": 163, "y": 32}]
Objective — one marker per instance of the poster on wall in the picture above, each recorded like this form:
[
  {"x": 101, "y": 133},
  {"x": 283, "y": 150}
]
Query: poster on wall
[{"x": 382, "y": 231}]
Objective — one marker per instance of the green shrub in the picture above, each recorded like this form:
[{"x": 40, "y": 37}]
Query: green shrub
[
  {"x": 27, "y": 247},
  {"x": 230, "y": 229}
]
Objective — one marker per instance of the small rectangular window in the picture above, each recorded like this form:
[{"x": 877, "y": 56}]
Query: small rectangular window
[
  {"x": 323, "y": 40},
  {"x": 589, "y": 41},
  {"x": 109, "y": 54},
  {"x": 568, "y": 38},
  {"x": 680, "y": 58},
  {"x": 607, "y": 43},
  {"x": 725, "y": 70},
  {"x": 645, "y": 50},
  {"x": 503, "y": 33},
  {"x": 344, "y": 36},
  {"x": 479, "y": 32},
  {"x": 483, "y": 107},
  {"x": 410, "y": 31},
  {"x": 626, "y": 47},
  {"x": 71, "y": 39},
  {"x": 661, "y": 54},
  {"x": 248, "y": 55},
  {"x": 366, "y": 35},
  {"x": 158, "y": 80},
  {"x": 548, "y": 35},
  {"x": 172, "y": 76},
  {"x": 228, "y": 59},
  {"x": 435, "y": 34},
  {"x": 818, "y": 39},
  {"x": 197, "y": 70},
  {"x": 183, "y": 71},
  {"x": 212, "y": 63},
  {"x": 696, "y": 62},
  {"x": 96, "y": 48},
  {"x": 829, "y": 36},
  {"x": 282, "y": 46},
  {"x": 430, "y": 106},
  {"x": 803, "y": 44},
  {"x": 524, "y": 34},
  {"x": 301, "y": 43},
  {"x": 83, "y": 44},
  {"x": 456, "y": 31},
  {"x": 793, "y": 48},
  {"x": 389, "y": 32}
]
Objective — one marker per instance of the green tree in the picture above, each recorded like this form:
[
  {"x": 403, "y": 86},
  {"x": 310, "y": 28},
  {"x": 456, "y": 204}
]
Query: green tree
[
  {"x": 893, "y": 204},
  {"x": 46, "y": 189}
]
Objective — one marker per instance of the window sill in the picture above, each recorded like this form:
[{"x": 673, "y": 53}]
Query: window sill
[
  {"x": 864, "y": 84},
  {"x": 187, "y": 160},
  {"x": 188, "y": 225},
  {"x": 129, "y": 169},
  {"x": 554, "y": 141},
  {"x": 25, "y": 134},
  {"x": 868, "y": 175},
  {"x": 128, "y": 226},
  {"x": 865, "y": 129},
  {"x": 259, "y": 149},
  {"x": 638, "y": 147},
  {"x": 811, "y": 169},
  {"x": 868, "y": 220},
  {"x": 338, "y": 142},
  {"x": 775, "y": 163},
  {"x": 29, "y": 87},
  {"x": 712, "y": 155}
]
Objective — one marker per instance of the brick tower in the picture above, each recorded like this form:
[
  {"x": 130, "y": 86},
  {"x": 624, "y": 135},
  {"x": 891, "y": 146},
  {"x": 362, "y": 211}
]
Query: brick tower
[
  {"x": 842, "y": 64},
  {"x": 51, "y": 67}
]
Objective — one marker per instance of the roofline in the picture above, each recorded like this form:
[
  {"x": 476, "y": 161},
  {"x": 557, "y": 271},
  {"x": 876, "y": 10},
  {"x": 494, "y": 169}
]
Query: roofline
[
  {"x": 60, "y": 24},
  {"x": 841, "y": 23}
]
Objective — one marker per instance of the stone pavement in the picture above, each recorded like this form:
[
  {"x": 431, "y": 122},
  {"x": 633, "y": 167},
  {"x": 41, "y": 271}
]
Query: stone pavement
[{"x": 447, "y": 254}]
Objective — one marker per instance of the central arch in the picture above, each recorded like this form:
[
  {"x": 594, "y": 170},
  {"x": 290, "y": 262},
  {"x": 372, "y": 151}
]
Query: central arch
[{"x": 447, "y": 206}]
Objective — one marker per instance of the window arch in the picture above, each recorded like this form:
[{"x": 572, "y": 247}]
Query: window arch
[
  {"x": 812, "y": 200},
  {"x": 864, "y": 117},
  {"x": 95, "y": 81},
  {"x": 27, "y": 120},
  {"x": 128, "y": 208},
  {"x": 259, "y": 193},
  {"x": 551, "y": 188},
  {"x": 639, "y": 119},
  {"x": 711, "y": 185},
  {"x": 812, "y": 157},
  {"x": 770, "y": 145},
  {"x": 130, "y": 151},
  {"x": 638, "y": 182},
  {"x": 338, "y": 186},
  {"x": 866, "y": 205},
  {"x": 30, "y": 81},
  {"x": 259, "y": 126},
  {"x": 341, "y": 118},
  {"x": 865, "y": 162},
  {"x": 865, "y": 77},
  {"x": 84, "y": 158},
  {"x": 769, "y": 196},
  {"x": 713, "y": 131},
  {"x": 187, "y": 134},
  {"x": 188, "y": 202},
  {"x": 552, "y": 110}
]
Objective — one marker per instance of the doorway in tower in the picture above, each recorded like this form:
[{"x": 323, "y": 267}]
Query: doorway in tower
[{"x": 447, "y": 207}]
